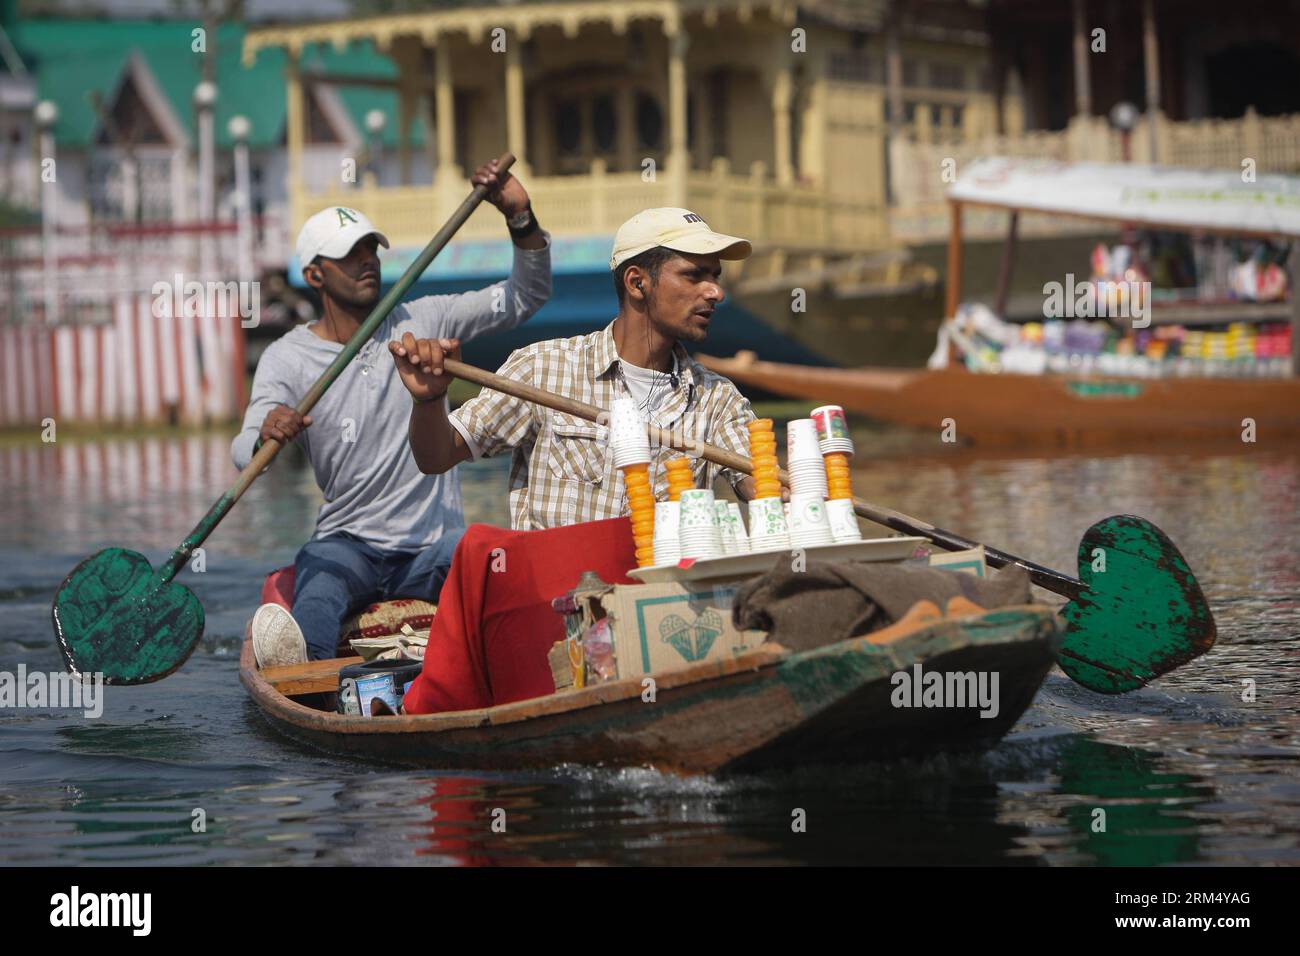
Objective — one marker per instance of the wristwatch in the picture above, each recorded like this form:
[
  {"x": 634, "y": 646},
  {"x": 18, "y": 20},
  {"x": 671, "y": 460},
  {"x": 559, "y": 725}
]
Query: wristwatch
[{"x": 522, "y": 225}]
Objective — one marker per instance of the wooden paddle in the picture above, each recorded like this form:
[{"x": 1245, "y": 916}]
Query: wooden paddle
[
  {"x": 113, "y": 614},
  {"x": 1135, "y": 612}
]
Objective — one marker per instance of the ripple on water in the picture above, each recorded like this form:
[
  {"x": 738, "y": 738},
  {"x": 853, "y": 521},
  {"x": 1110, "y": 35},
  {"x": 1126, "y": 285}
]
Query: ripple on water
[{"x": 1186, "y": 771}]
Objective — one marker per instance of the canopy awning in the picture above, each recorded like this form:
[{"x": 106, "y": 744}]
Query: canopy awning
[{"x": 1161, "y": 197}]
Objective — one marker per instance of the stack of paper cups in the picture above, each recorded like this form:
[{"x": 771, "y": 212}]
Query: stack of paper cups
[
  {"x": 667, "y": 548},
  {"x": 762, "y": 454},
  {"x": 628, "y": 440},
  {"x": 630, "y": 446},
  {"x": 810, "y": 525},
  {"x": 697, "y": 532},
  {"x": 804, "y": 459},
  {"x": 767, "y": 528},
  {"x": 838, "y": 479},
  {"x": 725, "y": 531},
  {"x": 680, "y": 477},
  {"x": 738, "y": 527},
  {"x": 832, "y": 430},
  {"x": 844, "y": 521},
  {"x": 837, "y": 447},
  {"x": 641, "y": 502}
]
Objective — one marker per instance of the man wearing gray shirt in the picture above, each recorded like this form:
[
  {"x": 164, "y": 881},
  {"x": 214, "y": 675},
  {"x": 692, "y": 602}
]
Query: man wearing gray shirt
[{"x": 385, "y": 530}]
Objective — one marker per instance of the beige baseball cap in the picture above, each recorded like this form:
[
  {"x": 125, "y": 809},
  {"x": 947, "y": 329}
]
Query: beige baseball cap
[
  {"x": 333, "y": 232},
  {"x": 673, "y": 228}
]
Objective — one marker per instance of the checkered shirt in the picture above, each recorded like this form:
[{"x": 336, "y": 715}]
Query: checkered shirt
[{"x": 561, "y": 471}]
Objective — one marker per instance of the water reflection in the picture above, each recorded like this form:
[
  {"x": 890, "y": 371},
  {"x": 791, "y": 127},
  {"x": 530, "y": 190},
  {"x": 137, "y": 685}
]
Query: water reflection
[
  {"x": 147, "y": 494},
  {"x": 1136, "y": 818}
]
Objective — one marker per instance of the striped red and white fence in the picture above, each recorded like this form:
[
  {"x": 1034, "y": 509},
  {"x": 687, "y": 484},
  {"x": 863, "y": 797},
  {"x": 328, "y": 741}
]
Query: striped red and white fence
[
  {"x": 107, "y": 354},
  {"x": 136, "y": 369}
]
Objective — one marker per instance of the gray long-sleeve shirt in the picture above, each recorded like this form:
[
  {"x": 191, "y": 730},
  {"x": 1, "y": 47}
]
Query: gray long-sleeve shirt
[{"x": 357, "y": 440}]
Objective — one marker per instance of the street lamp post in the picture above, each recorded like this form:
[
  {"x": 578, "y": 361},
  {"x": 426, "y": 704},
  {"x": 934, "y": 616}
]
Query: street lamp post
[
  {"x": 205, "y": 97},
  {"x": 212, "y": 331},
  {"x": 376, "y": 120},
  {"x": 46, "y": 115},
  {"x": 239, "y": 128},
  {"x": 1124, "y": 116}
]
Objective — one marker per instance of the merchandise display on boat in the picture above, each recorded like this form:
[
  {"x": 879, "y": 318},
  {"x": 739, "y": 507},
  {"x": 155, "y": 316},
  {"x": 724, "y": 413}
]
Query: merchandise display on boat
[
  {"x": 1109, "y": 324},
  {"x": 986, "y": 343}
]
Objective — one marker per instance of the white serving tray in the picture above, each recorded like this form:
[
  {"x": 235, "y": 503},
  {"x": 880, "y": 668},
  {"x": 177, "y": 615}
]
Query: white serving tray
[{"x": 738, "y": 565}]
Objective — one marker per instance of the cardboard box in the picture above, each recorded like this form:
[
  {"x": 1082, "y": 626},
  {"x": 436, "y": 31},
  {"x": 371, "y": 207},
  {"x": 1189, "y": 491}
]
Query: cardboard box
[
  {"x": 970, "y": 561},
  {"x": 663, "y": 627}
]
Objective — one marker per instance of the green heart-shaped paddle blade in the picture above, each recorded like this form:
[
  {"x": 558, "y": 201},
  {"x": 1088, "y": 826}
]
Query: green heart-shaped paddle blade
[
  {"x": 112, "y": 616},
  {"x": 1141, "y": 613}
]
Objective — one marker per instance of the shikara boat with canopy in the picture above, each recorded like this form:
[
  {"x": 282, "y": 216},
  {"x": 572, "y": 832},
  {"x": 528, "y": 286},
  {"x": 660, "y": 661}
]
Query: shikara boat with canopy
[{"x": 1076, "y": 409}]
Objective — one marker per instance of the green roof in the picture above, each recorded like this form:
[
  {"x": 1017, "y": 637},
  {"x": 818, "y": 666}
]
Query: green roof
[
  {"x": 357, "y": 59},
  {"x": 71, "y": 59}
]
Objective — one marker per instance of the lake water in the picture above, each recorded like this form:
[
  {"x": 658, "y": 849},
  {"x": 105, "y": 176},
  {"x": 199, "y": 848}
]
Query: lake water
[{"x": 1186, "y": 770}]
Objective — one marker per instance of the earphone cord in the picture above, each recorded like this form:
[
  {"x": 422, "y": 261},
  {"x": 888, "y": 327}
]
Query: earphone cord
[{"x": 658, "y": 379}]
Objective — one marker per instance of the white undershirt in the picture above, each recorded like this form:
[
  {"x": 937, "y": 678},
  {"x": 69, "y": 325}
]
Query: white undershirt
[{"x": 650, "y": 388}]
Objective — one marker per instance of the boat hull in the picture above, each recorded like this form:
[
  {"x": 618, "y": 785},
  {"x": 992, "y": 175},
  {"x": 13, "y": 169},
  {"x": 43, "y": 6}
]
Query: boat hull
[
  {"x": 769, "y": 708},
  {"x": 1052, "y": 410}
]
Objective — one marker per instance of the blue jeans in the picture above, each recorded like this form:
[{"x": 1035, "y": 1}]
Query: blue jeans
[{"x": 338, "y": 574}]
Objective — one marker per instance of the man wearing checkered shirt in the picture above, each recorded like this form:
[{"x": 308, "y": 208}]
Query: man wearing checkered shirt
[{"x": 666, "y": 265}]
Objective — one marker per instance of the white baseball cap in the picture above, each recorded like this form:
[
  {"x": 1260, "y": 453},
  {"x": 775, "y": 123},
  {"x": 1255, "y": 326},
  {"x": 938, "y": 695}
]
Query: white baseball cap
[
  {"x": 333, "y": 232},
  {"x": 677, "y": 229}
]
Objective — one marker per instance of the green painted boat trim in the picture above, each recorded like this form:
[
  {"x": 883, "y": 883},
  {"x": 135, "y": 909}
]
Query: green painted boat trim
[
  {"x": 810, "y": 674},
  {"x": 1104, "y": 389}
]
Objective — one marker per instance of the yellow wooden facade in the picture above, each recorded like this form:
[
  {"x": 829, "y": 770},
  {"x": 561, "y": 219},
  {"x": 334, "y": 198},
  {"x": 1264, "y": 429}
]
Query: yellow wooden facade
[{"x": 769, "y": 125}]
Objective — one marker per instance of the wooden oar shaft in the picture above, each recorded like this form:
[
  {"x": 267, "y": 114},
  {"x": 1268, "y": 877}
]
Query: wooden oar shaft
[
  {"x": 266, "y": 454},
  {"x": 1043, "y": 576},
  {"x": 529, "y": 393}
]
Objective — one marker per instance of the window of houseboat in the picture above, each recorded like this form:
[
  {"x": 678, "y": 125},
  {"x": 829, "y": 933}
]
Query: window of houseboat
[
  {"x": 604, "y": 123},
  {"x": 568, "y": 127},
  {"x": 649, "y": 122}
]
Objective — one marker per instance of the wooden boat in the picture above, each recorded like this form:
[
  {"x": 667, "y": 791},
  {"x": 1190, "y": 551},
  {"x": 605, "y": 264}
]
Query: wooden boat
[
  {"x": 767, "y": 708},
  {"x": 1079, "y": 410},
  {"x": 1021, "y": 410}
]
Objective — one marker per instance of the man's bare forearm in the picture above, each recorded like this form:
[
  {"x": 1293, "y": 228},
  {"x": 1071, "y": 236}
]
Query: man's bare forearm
[{"x": 437, "y": 446}]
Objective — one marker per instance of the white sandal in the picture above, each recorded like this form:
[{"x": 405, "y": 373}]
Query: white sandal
[{"x": 277, "y": 639}]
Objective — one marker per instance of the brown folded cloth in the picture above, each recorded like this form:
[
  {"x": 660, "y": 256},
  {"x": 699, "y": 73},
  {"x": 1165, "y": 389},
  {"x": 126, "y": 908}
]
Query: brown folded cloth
[{"x": 832, "y": 601}]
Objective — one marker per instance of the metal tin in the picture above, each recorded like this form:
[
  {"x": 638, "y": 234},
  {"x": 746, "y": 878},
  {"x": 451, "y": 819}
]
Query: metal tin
[{"x": 377, "y": 685}]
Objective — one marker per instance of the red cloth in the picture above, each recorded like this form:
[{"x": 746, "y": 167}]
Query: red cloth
[
  {"x": 278, "y": 587},
  {"x": 495, "y": 625}
]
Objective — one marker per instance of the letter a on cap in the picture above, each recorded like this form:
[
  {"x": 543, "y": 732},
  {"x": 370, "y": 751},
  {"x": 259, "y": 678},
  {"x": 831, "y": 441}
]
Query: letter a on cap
[{"x": 345, "y": 216}]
